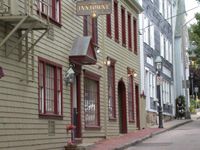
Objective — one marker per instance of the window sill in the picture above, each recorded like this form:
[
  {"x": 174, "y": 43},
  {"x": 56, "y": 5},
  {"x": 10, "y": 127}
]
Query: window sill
[
  {"x": 50, "y": 116},
  {"x": 135, "y": 53},
  {"x": 130, "y": 49},
  {"x": 112, "y": 119},
  {"x": 92, "y": 128},
  {"x": 131, "y": 121},
  {"x": 109, "y": 35},
  {"x": 123, "y": 44},
  {"x": 117, "y": 40}
]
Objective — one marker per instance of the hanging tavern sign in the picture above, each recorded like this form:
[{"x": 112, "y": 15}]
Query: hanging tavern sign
[{"x": 93, "y": 7}]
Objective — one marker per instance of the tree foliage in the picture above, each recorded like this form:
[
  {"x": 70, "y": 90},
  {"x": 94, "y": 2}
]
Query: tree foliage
[{"x": 194, "y": 36}]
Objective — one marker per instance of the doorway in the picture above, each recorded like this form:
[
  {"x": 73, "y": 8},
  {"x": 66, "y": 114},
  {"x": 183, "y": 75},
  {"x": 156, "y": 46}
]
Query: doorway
[{"x": 122, "y": 107}]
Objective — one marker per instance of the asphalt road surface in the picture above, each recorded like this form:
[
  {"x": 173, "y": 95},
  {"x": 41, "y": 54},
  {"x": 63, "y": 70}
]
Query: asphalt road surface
[{"x": 186, "y": 137}]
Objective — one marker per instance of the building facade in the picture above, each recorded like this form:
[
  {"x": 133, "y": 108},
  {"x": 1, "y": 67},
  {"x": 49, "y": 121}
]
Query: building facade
[
  {"x": 157, "y": 38},
  {"x": 181, "y": 55},
  {"x": 52, "y": 76}
]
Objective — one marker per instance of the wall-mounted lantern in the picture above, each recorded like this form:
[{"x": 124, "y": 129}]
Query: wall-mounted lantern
[{"x": 69, "y": 75}]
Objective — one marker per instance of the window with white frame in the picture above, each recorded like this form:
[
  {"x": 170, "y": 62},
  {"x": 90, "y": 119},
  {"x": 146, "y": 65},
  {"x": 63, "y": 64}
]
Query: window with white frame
[
  {"x": 161, "y": 45},
  {"x": 165, "y": 9},
  {"x": 152, "y": 85},
  {"x": 146, "y": 30},
  {"x": 50, "y": 88},
  {"x": 166, "y": 92},
  {"x": 169, "y": 13},
  {"x": 170, "y": 52},
  {"x": 166, "y": 50},
  {"x": 161, "y": 6},
  {"x": 151, "y": 36}
]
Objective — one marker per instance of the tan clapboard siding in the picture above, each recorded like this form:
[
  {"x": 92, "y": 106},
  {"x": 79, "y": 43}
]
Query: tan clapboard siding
[
  {"x": 20, "y": 124},
  {"x": 124, "y": 58}
]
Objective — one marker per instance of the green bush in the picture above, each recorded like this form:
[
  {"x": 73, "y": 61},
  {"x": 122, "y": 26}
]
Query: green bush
[{"x": 193, "y": 105}]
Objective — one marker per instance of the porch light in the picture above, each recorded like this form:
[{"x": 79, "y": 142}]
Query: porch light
[
  {"x": 158, "y": 62},
  {"x": 69, "y": 75},
  {"x": 107, "y": 62}
]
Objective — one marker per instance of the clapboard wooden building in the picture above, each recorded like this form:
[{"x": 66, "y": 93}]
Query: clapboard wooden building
[{"x": 59, "y": 69}]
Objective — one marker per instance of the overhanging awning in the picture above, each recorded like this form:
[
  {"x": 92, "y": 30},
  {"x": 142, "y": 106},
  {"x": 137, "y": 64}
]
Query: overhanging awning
[{"x": 83, "y": 52}]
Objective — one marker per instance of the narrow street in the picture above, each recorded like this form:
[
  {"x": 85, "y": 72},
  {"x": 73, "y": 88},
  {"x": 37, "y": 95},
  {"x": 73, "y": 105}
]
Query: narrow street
[{"x": 185, "y": 137}]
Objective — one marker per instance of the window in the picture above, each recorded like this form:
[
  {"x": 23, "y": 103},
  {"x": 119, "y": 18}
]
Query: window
[
  {"x": 111, "y": 92},
  {"x": 129, "y": 32},
  {"x": 116, "y": 21},
  {"x": 108, "y": 25},
  {"x": 51, "y": 8},
  {"x": 90, "y": 28},
  {"x": 91, "y": 99},
  {"x": 146, "y": 30},
  {"x": 151, "y": 36},
  {"x": 135, "y": 35},
  {"x": 50, "y": 88},
  {"x": 123, "y": 21},
  {"x": 161, "y": 45},
  {"x": 161, "y": 6},
  {"x": 130, "y": 98},
  {"x": 152, "y": 85}
]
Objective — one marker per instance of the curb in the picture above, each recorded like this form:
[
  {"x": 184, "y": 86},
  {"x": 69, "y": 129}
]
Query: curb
[{"x": 151, "y": 135}]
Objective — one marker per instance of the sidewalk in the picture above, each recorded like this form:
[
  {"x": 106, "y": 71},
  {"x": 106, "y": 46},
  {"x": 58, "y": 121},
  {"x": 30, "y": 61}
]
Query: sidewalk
[{"x": 130, "y": 139}]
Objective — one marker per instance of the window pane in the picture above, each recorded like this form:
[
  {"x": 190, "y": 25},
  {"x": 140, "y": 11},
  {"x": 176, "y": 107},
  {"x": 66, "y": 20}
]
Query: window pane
[
  {"x": 49, "y": 89},
  {"x": 41, "y": 87},
  {"x": 130, "y": 98},
  {"x": 111, "y": 92},
  {"x": 59, "y": 105},
  {"x": 91, "y": 109}
]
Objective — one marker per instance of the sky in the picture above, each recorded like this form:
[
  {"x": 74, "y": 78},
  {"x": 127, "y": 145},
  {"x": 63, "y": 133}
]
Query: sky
[{"x": 190, "y": 4}]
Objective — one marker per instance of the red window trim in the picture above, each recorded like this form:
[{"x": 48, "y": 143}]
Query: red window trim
[
  {"x": 108, "y": 25},
  {"x": 50, "y": 115},
  {"x": 52, "y": 19},
  {"x": 116, "y": 22},
  {"x": 90, "y": 27},
  {"x": 129, "y": 32},
  {"x": 93, "y": 76},
  {"x": 93, "y": 128},
  {"x": 123, "y": 25},
  {"x": 135, "y": 33}
]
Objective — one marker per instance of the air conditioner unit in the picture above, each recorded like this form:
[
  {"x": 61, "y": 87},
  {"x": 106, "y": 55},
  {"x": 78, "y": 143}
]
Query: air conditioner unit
[{"x": 9, "y": 7}]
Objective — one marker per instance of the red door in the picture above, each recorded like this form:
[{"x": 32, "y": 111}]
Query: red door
[
  {"x": 122, "y": 107},
  {"x": 137, "y": 106}
]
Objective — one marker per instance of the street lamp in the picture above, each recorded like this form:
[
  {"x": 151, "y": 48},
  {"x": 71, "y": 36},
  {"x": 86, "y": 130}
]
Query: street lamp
[{"x": 158, "y": 63}]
